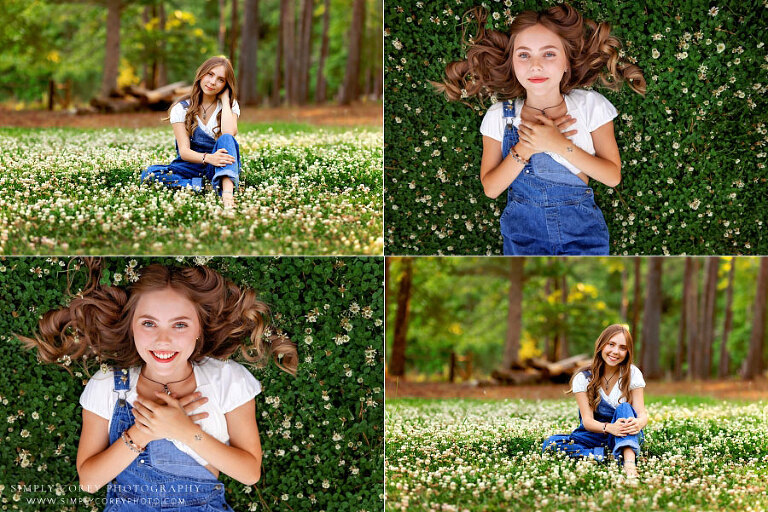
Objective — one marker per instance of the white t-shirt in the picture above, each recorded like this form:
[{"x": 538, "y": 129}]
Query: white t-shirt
[
  {"x": 636, "y": 380},
  {"x": 178, "y": 113},
  {"x": 590, "y": 109},
  {"x": 226, "y": 384}
]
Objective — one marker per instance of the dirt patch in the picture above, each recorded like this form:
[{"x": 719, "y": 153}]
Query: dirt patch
[
  {"x": 724, "y": 390},
  {"x": 371, "y": 115}
]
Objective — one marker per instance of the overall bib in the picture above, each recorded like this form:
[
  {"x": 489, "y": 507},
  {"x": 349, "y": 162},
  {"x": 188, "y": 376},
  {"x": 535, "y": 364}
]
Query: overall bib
[
  {"x": 162, "y": 477},
  {"x": 180, "y": 173},
  {"x": 549, "y": 211},
  {"x": 583, "y": 443}
]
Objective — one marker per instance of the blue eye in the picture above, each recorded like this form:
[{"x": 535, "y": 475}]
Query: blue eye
[
  {"x": 522, "y": 55},
  {"x": 550, "y": 54},
  {"x": 180, "y": 325},
  {"x": 147, "y": 323}
]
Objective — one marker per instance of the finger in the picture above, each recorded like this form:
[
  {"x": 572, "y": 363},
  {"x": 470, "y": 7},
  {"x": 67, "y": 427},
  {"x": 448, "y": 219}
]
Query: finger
[
  {"x": 168, "y": 399},
  {"x": 222, "y": 150},
  {"x": 570, "y": 133},
  {"x": 188, "y": 399},
  {"x": 544, "y": 119},
  {"x": 199, "y": 416}
]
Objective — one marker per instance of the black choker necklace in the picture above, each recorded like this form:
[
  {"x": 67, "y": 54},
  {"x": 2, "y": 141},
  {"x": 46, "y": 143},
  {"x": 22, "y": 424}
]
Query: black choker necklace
[
  {"x": 546, "y": 108},
  {"x": 165, "y": 386}
]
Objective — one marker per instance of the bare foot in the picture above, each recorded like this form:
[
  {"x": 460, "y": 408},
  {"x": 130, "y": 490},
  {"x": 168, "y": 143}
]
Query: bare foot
[
  {"x": 228, "y": 198},
  {"x": 630, "y": 468}
]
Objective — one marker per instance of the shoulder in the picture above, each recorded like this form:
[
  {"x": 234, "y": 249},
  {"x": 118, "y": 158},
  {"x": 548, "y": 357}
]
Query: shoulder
[
  {"x": 636, "y": 379},
  {"x": 179, "y": 111},
  {"x": 227, "y": 372},
  {"x": 493, "y": 122},
  {"x": 595, "y": 108},
  {"x": 580, "y": 381},
  {"x": 96, "y": 397}
]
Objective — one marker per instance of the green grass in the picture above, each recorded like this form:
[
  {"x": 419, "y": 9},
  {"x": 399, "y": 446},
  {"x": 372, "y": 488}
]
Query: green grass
[
  {"x": 485, "y": 455},
  {"x": 304, "y": 190}
]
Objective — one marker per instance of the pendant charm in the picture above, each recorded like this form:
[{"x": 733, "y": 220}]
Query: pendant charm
[{"x": 166, "y": 390}]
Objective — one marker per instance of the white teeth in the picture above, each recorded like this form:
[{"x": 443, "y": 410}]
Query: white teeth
[{"x": 167, "y": 355}]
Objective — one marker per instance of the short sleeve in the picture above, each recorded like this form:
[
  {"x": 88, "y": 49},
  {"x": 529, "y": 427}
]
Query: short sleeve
[
  {"x": 178, "y": 113},
  {"x": 493, "y": 122},
  {"x": 579, "y": 383},
  {"x": 599, "y": 110},
  {"x": 236, "y": 108},
  {"x": 636, "y": 379},
  {"x": 238, "y": 386},
  {"x": 96, "y": 395}
]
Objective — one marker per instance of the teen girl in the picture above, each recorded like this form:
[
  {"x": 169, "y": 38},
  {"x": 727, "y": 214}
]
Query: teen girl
[
  {"x": 174, "y": 412},
  {"x": 543, "y": 147},
  {"x": 205, "y": 124},
  {"x": 611, "y": 408}
]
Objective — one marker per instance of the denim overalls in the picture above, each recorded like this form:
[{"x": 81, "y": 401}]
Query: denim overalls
[
  {"x": 181, "y": 173},
  {"x": 549, "y": 209},
  {"x": 162, "y": 477},
  {"x": 583, "y": 443}
]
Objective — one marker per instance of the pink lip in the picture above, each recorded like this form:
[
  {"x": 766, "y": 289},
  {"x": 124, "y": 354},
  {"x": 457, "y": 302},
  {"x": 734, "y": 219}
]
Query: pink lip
[
  {"x": 537, "y": 80},
  {"x": 163, "y": 360}
]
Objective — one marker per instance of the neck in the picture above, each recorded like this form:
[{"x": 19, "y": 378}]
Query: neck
[
  {"x": 208, "y": 98},
  {"x": 609, "y": 372},
  {"x": 166, "y": 377},
  {"x": 544, "y": 99}
]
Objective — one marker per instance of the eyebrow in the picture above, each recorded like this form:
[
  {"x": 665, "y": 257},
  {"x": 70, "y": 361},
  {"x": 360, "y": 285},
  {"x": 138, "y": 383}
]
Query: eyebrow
[
  {"x": 543, "y": 48},
  {"x": 150, "y": 317}
]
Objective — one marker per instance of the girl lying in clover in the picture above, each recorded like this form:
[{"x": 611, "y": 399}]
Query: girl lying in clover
[
  {"x": 612, "y": 412},
  {"x": 173, "y": 412},
  {"x": 205, "y": 124}
]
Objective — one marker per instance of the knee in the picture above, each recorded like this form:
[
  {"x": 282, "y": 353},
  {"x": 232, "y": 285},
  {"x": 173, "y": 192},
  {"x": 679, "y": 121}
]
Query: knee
[
  {"x": 226, "y": 137},
  {"x": 625, "y": 409}
]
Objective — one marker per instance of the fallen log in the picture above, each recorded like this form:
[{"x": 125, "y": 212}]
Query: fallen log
[
  {"x": 517, "y": 377},
  {"x": 116, "y": 105}
]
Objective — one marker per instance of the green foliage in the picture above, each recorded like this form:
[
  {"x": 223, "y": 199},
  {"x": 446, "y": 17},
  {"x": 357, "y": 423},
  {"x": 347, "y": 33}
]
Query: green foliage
[
  {"x": 321, "y": 432},
  {"x": 460, "y": 304},
  {"x": 693, "y": 149}
]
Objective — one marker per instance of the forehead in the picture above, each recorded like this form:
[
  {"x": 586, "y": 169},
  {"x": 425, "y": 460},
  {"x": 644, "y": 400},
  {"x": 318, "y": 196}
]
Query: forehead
[
  {"x": 219, "y": 71},
  {"x": 166, "y": 303},
  {"x": 618, "y": 338},
  {"x": 537, "y": 37}
]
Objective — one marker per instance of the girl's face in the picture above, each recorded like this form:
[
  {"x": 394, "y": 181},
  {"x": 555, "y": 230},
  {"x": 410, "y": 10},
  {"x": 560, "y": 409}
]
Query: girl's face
[
  {"x": 539, "y": 59},
  {"x": 165, "y": 326},
  {"x": 615, "y": 350},
  {"x": 214, "y": 81}
]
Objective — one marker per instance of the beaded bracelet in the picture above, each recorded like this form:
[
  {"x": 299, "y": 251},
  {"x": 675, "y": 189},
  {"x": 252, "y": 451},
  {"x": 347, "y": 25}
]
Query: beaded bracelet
[
  {"x": 129, "y": 442},
  {"x": 518, "y": 157}
]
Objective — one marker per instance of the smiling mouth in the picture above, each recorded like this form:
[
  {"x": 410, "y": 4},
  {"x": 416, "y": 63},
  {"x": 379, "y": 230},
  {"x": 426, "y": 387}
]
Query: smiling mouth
[{"x": 163, "y": 356}]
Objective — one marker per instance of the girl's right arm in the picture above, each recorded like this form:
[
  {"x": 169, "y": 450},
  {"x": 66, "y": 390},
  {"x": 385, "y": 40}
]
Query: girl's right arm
[
  {"x": 496, "y": 173},
  {"x": 98, "y": 462},
  {"x": 218, "y": 159}
]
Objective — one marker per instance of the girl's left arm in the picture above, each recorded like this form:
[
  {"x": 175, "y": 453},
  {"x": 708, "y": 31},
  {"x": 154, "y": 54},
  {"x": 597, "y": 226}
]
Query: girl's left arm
[
  {"x": 228, "y": 118},
  {"x": 638, "y": 403}
]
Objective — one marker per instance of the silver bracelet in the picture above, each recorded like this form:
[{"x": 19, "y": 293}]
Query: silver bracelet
[
  {"x": 129, "y": 442},
  {"x": 204, "y": 155},
  {"x": 517, "y": 157}
]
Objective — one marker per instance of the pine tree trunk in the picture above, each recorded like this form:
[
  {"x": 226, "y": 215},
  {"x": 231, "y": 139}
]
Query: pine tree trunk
[
  {"x": 725, "y": 360},
  {"x": 710, "y": 303},
  {"x": 112, "y": 53},
  {"x": 624, "y": 294},
  {"x": 248, "y": 80},
  {"x": 397, "y": 360},
  {"x": 350, "y": 92},
  {"x": 145, "y": 78},
  {"x": 754, "y": 365},
  {"x": 692, "y": 318},
  {"x": 320, "y": 93},
  {"x": 564, "y": 320},
  {"x": 308, "y": 7},
  {"x": 514, "y": 312},
  {"x": 289, "y": 49},
  {"x": 652, "y": 320},
  {"x": 680, "y": 356},
  {"x": 162, "y": 70}
]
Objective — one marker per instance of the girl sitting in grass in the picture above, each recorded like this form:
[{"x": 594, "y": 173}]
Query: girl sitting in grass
[
  {"x": 609, "y": 393},
  {"x": 205, "y": 124}
]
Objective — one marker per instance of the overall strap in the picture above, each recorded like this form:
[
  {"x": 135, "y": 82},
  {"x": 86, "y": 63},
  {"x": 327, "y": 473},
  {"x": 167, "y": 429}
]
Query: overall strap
[
  {"x": 184, "y": 103},
  {"x": 588, "y": 373},
  {"x": 509, "y": 109},
  {"x": 122, "y": 384}
]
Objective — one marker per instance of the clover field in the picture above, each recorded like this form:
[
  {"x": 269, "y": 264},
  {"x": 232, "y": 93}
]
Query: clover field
[
  {"x": 483, "y": 455},
  {"x": 302, "y": 190}
]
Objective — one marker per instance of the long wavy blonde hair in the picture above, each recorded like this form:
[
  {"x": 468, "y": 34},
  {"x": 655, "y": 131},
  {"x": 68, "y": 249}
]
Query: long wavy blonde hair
[{"x": 591, "y": 50}]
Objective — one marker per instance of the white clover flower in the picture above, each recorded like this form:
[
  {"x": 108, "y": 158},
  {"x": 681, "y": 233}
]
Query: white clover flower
[
  {"x": 720, "y": 47},
  {"x": 655, "y": 53},
  {"x": 713, "y": 11}
]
